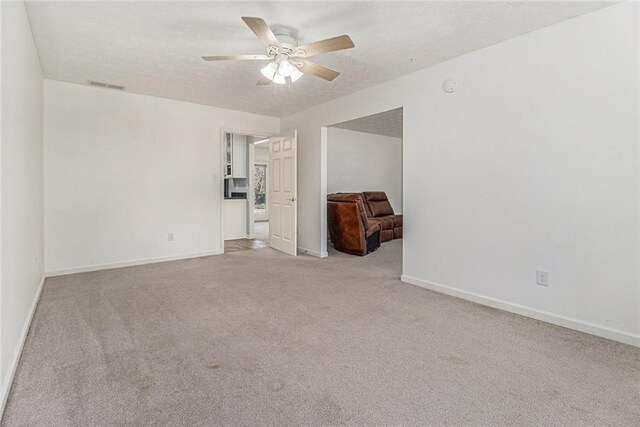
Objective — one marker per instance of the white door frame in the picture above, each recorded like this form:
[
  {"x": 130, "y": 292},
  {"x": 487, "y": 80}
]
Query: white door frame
[
  {"x": 220, "y": 175},
  {"x": 324, "y": 232}
]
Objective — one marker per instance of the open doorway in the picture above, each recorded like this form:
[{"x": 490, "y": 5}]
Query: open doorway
[
  {"x": 276, "y": 194},
  {"x": 243, "y": 184},
  {"x": 364, "y": 185}
]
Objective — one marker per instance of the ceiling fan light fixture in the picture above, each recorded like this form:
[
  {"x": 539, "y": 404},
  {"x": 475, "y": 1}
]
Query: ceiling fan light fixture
[{"x": 278, "y": 71}]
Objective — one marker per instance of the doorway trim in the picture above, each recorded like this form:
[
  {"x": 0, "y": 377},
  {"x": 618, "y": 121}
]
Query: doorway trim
[
  {"x": 324, "y": 234},
  {"x": 221, "y": 171}
]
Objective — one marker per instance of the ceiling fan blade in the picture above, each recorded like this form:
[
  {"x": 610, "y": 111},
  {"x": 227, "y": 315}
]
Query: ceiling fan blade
[
  {"x": 237, "y": 58},
  {"x": 262, "y": 30},
  {"x": 263, "y": 81},
  {"x": 324, "y": 46},
  {"x": 309, "y": 67}
]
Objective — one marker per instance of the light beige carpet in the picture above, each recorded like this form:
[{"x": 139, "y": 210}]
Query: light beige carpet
[{"x": 260, "y": 338}]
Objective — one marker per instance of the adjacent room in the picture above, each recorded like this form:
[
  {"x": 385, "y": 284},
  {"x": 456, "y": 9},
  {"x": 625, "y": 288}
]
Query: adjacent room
[
  {"x": 364, "y": 183},
  {"x": 319, "y": 213}
]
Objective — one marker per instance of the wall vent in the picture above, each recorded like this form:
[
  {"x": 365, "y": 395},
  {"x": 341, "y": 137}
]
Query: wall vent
[{"x": 105, "y": 85}]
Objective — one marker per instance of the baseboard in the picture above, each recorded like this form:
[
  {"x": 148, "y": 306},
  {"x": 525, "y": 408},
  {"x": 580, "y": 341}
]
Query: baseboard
[
  {"x": 13, "y": 366},
  {"x": 312, "y": 253},
  {"x": 578, "y": 325},
  {"x": 143, "y": 261}
]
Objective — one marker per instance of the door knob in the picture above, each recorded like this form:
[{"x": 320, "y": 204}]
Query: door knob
[{"x": 292, "y": 199}]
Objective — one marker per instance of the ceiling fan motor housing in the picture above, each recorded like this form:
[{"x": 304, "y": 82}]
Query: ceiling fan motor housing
[{"x": 288, "y": 43}]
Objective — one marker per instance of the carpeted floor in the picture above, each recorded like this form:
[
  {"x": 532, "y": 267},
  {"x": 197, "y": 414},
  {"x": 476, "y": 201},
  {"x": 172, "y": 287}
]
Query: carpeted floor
[{"x": 260, "y": 338}]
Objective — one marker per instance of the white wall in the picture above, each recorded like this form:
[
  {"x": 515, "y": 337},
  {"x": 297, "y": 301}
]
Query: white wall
[
  {"x": 21, "y": 212},
  {"x": 531, "y": 163},
  {"x": 358, "y": 161},
  {"x": 261, "y": 153},
  {"x": 124, "y": 170}
]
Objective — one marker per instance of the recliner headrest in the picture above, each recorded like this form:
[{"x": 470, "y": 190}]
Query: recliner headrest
[{"x": 375, "y": 196}]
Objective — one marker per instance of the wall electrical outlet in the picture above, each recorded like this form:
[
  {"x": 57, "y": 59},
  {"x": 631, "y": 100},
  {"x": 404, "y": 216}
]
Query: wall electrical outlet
[
  {"x": 170, "y": 237},
  {"x": 542, "y": 277}
]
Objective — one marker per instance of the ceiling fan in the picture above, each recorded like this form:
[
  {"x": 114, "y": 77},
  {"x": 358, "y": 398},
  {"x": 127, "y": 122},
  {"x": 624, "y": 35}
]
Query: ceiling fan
[{"x": 287, "y": 60}]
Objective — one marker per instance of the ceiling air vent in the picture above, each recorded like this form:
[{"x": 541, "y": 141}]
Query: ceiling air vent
[{"x": 105, "y": 85}]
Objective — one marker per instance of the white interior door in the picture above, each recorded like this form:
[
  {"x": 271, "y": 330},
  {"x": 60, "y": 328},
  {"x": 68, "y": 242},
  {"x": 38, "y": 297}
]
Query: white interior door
[{"x": 283, "y": 193}]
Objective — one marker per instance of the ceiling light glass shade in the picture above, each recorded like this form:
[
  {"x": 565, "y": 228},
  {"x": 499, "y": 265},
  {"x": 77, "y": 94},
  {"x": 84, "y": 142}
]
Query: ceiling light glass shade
[
  {"x": 270, "y": 70},
  {"x": 295, "y": 74},
  {"x": 279, "y": 80},
  {"x": 285, "y": 68}
]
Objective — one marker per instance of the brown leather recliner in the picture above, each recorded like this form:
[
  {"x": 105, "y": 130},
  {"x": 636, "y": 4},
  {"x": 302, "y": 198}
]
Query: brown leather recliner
[
  {"x": 379, "y": 209},
  {"x": 349, "y": 228}
]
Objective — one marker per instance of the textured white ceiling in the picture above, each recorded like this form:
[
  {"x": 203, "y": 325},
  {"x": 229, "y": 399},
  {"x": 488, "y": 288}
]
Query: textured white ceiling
[
  {"x": 154, "y": 48},
  {"x": 388, "y": 123}
]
